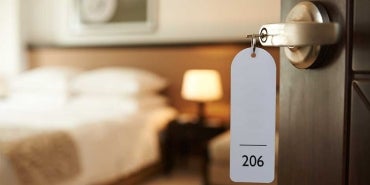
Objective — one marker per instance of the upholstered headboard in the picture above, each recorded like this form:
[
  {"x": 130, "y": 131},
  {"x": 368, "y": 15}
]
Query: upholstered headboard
[{"x": 168, "y": 61}]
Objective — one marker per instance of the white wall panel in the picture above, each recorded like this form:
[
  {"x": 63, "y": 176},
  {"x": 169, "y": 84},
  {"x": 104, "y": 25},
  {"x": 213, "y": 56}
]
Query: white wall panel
[
  {"x": 12, "y": 59},
  {"x": 179, "y": 21}
]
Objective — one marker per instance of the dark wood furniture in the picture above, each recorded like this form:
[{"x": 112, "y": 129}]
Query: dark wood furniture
[{"x": 185, "y": 139}]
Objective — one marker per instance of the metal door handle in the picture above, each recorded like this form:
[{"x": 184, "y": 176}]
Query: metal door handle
[
  {"x": 299, "y": 34},
  {"x": 307, "y": 27}
]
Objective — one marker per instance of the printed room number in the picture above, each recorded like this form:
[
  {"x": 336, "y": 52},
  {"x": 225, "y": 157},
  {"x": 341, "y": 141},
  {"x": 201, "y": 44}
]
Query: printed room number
[{"x": 253, "y": 161}]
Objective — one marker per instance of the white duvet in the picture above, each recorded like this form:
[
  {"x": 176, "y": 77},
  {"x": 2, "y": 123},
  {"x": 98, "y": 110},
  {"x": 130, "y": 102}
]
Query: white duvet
[{"x": 111, "y": 142}]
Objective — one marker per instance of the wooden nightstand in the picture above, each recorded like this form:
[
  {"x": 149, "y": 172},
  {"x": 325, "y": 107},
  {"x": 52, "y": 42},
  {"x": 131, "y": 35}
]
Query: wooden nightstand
[{"x": 183, "y": 139}]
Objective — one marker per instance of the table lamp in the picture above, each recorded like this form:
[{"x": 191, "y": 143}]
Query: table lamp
[{"x": 201, "y": 86}]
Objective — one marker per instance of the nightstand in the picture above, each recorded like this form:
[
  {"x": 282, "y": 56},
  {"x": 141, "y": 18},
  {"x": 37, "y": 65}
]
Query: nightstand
[{"x": 185, "y": 139}]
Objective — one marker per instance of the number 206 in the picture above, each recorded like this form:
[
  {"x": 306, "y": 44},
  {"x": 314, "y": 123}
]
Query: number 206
[{"x": 252, "y": 161}]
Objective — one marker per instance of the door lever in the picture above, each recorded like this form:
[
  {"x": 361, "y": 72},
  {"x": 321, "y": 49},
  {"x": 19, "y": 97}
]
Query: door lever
[
  {"x": 307, "y": 28},
  {"x": 298, "y": 34}
]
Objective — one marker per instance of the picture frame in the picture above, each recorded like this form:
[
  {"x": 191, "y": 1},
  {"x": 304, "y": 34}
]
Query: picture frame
[{"x": 130, "y": 17}]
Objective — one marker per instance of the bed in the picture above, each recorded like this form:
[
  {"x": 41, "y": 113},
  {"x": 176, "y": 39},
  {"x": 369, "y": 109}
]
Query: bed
[{"x": 95, "y": 137}]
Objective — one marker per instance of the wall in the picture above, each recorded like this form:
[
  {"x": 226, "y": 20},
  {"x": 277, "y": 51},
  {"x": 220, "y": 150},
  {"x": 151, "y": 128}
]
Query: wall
[
  {"x": 11, "y": 41},
  {"x": 178, "y": 21}
]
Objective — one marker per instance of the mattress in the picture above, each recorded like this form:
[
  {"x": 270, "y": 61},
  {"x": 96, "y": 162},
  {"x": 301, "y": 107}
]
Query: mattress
[{"x": 109, "y": 143}]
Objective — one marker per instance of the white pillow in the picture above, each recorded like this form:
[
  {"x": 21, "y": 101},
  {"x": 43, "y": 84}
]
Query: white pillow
[
  {"x": 37, "y": 99},
  {"x": 44, "y": 79},
  {"x": 118, "y": 81},
  {"x": 126, "y": 104}
]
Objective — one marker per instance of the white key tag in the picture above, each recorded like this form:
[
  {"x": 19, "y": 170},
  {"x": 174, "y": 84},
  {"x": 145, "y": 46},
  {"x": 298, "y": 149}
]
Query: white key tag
[{"x": 253, "y": 99}]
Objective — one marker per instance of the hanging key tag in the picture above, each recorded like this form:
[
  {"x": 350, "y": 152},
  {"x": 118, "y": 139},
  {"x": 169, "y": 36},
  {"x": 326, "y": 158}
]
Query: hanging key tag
[{"x": 253, "y": 99}]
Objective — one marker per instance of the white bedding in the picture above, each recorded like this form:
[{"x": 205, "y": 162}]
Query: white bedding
[{"x": 111, "y": 143}]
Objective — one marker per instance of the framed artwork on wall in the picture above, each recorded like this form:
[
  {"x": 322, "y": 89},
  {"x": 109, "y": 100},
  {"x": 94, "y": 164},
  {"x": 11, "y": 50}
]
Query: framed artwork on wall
[{"x": 107, "y": 17}]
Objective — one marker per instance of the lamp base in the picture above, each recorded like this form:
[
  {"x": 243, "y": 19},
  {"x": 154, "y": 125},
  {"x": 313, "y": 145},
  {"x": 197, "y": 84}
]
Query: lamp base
[{"x": 201, "y": 111}]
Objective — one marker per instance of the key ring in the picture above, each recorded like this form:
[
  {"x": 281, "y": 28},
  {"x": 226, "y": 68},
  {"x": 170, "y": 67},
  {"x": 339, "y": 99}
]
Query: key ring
[
  {"x": 263, "y": 36},
  {"x": 253, "y": 45}
]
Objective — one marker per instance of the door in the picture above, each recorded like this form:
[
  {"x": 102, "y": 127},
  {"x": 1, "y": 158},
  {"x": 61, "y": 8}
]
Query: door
[
  {"x": 324, "y": 128},
  {"x": 359, "y": 134}
]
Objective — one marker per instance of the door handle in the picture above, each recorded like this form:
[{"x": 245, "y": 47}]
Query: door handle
[
  {"x": 307, "y": 28},
  {"x": 299, "y": 34}
]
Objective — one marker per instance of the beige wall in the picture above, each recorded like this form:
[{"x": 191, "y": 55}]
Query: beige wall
[{"x": 178, "y": 21}]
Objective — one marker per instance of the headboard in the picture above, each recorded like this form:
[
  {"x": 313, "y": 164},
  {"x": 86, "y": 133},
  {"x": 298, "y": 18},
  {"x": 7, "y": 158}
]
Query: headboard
[{"x": 168, "y": 61}]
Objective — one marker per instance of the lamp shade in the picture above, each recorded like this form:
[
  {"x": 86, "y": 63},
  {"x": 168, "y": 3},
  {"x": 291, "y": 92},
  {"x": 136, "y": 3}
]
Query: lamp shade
[{"x": 201, "y": 85}]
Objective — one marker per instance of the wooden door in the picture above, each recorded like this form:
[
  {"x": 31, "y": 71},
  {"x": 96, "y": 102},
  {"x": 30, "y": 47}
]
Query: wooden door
[
  {"x": 324, "y": 126},
  {"x": 359, "y": 130}
]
